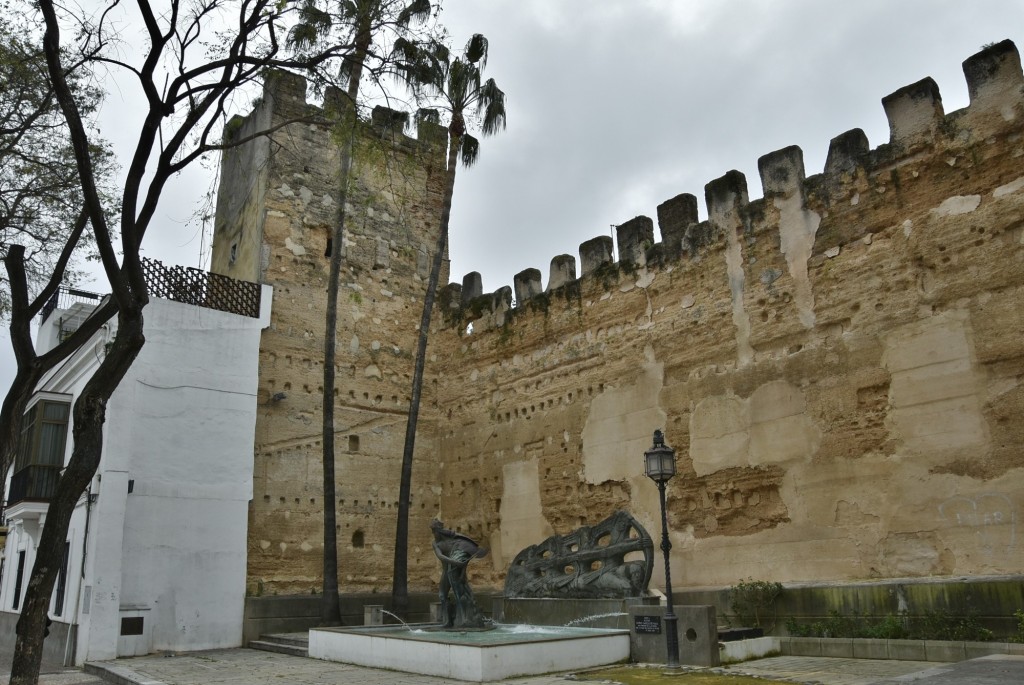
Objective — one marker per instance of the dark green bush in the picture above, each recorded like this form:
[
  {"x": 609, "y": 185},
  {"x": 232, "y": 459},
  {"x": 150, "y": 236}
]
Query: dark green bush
[
  {"x": 936, "y": 624},
  {"x": 753, "y": 601}
]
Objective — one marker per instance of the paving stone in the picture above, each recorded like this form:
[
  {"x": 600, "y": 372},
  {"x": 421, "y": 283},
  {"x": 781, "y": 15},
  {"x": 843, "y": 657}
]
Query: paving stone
[{"x": 252, "y": 667}]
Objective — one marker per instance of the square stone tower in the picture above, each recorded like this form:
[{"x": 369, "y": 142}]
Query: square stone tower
[{"x": 276, "y": 210}]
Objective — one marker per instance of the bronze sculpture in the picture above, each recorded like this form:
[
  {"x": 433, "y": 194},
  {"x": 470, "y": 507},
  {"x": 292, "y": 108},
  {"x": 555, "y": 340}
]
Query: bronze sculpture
[
  {"x": 455, "y": 551},
  {"x": 588, "y": 563}
]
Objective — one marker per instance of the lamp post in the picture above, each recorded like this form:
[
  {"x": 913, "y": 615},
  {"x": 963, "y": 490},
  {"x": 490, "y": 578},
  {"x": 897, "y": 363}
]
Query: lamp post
[{"x": 660, "y": 466}]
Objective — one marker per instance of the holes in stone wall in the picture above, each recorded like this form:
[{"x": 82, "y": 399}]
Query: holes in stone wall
[
  {"x": 353, "y": 443},
  {"x": 358, "y": 539}
]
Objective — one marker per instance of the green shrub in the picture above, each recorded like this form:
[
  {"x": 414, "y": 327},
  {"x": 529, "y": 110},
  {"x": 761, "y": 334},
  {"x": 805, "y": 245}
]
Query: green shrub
[
  {"x": 889, "y": 628},
  {"x": 939, "y": 624},
  {"x": 936, "y": 624},
  {"x": 1019, "y": 637},
  {"x": 754, "y": 600}
]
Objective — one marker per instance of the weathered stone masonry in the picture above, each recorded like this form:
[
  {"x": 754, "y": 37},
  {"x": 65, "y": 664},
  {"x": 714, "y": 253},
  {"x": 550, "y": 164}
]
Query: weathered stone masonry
[
  {"x": 839, "y": 363},
  {"x": 277, "y": 204}
]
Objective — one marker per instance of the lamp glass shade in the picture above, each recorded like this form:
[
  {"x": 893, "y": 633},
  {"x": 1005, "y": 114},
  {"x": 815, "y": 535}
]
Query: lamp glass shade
[{"x": 660, "y": 463}]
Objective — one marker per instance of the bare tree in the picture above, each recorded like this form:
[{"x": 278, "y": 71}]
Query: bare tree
[
  {"x": 40, "y": 198},
  {"x": 197, "y": 57},
  {"x": 42, "y": 222}
]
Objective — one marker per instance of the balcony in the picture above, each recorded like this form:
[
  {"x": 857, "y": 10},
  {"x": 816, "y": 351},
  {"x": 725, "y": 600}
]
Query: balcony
[
  {"x": 65, "y": 298},
  {"x": 34, "y": 483}
]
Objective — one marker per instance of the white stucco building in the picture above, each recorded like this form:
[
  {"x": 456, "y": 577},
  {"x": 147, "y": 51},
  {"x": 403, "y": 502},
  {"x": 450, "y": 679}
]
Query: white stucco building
[{"x": 156, "y": 553}]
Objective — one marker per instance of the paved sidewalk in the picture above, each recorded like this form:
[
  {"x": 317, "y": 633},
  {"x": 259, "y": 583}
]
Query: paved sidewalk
[
  {"x": 252, "y": 667},
  {"x": 829, "y": 671},
  {"x": 67, "y": 677},
  {"x": 998, "y": 669}
]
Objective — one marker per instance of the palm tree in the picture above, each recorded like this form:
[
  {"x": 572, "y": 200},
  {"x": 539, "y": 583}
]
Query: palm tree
[
  {"x": 365, "y": 17},
  {"x": 458, "y": 85}
]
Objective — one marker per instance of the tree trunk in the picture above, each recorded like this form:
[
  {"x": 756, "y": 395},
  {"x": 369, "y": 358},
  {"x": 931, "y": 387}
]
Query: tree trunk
[
  {"x": 400, "y": 583},
  {"x": 89, "y": 416},
  {"x": 330, "y": 608}
]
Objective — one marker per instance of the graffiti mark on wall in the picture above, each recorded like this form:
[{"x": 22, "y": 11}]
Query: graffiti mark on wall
[{"x": 991, "y": 515}]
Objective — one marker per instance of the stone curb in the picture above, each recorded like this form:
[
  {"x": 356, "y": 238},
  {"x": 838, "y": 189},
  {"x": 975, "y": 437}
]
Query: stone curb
[
  {"x": 118, "y": 674},
  {"x": 937, "y": 651}
]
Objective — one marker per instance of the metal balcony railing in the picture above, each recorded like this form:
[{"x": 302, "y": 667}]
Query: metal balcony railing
[
  {"x": 35, "y": 482},
  {"x": 65, "y": 297},
  {"x": 181, "y": 284},
  {"x": 201, "y": 288}
]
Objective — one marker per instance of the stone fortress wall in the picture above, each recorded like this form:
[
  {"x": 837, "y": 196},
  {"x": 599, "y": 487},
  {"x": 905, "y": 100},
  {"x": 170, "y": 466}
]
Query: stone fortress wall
[{"x": 838, "y": 364}]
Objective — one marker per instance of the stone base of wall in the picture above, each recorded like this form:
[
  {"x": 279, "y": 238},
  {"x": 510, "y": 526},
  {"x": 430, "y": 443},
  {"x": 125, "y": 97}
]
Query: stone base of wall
[
  {"x": 55, "y": 647},
  {"x": 296, "y": 613},
  {"x": 991, "y": 600},
  {"x": 903, "y": 650}
]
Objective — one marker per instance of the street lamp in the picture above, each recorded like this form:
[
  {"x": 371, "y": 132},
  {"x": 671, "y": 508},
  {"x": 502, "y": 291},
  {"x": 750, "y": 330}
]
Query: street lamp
[{"x": 660, "y": 466}]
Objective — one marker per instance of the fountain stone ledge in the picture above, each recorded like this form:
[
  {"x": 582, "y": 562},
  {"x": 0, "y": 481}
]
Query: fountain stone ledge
[{"x": 507, "y": 651}]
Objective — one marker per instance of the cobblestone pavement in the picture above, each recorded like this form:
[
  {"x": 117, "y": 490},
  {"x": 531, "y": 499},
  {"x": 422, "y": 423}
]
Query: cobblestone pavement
[
  {"x": 831, "y": 671},
  {"x": 990, "y": 670},
  {"x": 251, "y": 667},
  {"x": 71, "y": 676}
]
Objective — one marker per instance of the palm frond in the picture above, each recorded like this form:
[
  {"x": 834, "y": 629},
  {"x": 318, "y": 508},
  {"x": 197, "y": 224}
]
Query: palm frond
[
  {"x": 313, "y": 23},
  {"x": 417, "y": 10},
  {"x": 492, "y": 104},
  {"x": 470, "y": 150},
  {"x": 476, "y": 50}
]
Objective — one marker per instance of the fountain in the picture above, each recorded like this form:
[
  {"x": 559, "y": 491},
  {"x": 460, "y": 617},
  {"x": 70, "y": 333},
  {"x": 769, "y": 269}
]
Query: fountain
[
  {"x": 506, "y": 651},
  {"x": 594, "y": 617},
  {"x": 466, "y": 646}
]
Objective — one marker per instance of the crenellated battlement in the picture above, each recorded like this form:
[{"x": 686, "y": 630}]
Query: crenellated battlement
[
  {"x": 919, "y": 132},
  {"x": 285, "y": 94},
  {"x": 838, "y": 363}
]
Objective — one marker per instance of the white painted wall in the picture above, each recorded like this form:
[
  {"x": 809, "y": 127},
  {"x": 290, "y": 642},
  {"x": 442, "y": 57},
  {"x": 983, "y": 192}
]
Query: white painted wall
[{"x": 180, "y": 428}]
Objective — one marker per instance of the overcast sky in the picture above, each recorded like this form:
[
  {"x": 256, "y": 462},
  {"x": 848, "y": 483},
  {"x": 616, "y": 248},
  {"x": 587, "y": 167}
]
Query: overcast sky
[{"x": 615, "y": 106}]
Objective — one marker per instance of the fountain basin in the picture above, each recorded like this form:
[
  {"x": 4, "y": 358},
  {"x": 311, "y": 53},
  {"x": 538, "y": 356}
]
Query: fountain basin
[{"x": 505, "y": 652}]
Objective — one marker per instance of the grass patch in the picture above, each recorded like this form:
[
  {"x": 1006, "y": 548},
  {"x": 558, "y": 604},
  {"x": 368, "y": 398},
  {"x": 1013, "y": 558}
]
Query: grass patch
[{"x": 640, "y": 675}]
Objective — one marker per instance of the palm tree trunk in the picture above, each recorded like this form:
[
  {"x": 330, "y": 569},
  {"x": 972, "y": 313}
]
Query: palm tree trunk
[
  {"x": 400, "y": 582},
  {"x": 330, "y": 608}
]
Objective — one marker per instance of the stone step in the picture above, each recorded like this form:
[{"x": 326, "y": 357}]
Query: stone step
[
  {"x": 266, "y": 646},
  {"x": 301, "y": 639}
]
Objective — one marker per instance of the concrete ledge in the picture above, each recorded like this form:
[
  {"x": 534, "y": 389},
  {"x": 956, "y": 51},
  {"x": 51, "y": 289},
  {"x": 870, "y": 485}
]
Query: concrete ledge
[
  {"x": 803, "y": 646},
  {"x": 906, "y": 650},
  {"x": 870, "y": 649},
  {"x": 935, "y": 650},
  {"x": 479, "y": 657},
  {"x": 737, "y": 651},
  {"x": 901, "y": 650},
  {"x": 838, "y": 648},
  {"x": 118, "y": 674}
]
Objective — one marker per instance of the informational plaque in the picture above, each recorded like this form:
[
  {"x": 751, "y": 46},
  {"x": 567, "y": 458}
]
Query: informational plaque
[{"x": 647, "y": 624}]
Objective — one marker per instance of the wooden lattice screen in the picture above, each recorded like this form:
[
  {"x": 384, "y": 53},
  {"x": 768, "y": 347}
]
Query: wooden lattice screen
[{"x": 201, "y": 288}]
